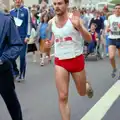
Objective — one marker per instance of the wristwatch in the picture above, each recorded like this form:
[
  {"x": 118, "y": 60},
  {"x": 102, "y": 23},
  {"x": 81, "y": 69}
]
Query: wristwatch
[{"x": 1, "y": 62}]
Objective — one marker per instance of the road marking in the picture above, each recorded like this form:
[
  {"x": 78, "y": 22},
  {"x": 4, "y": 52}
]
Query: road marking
[{"x": 98, "y": 111}]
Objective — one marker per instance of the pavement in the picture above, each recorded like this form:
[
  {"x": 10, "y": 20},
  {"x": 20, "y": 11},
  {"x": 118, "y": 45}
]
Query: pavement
[{"x": 39, "y": 99}]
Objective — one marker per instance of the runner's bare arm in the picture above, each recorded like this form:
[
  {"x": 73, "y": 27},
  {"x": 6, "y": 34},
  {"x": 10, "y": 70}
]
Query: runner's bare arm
[
  {"x": 84, "y": 32},
  {"x": 108, "y": 27},
  {"x": 52, "y": 39},
  {"x": 78, "y": 24},
  {"x": 49, "y": 32},
  {"x": 49, "y": 26}
]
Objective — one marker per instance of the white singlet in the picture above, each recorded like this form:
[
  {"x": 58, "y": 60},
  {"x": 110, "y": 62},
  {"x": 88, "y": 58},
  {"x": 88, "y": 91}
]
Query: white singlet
[
  {"x": 68, "y": 41},
  {"x": 114, "y": 21}
]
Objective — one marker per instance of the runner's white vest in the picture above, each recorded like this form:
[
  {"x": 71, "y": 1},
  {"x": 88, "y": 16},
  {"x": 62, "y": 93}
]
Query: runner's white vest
[
  {"x": 68, "y": 41},
  {"x": 115, "y": 30}
]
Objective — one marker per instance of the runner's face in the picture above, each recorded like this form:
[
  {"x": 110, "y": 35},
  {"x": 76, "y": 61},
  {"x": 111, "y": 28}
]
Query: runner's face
[
  {"x": 18, "y": 2},
  {"x": 60, "y": 7},
  {"x": 117, "y": 10}
]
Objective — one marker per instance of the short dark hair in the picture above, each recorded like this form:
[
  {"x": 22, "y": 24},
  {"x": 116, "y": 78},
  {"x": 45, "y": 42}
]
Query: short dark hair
[
  {"x": 66, "y": 1},
  {"x": 117, "y": 5}
]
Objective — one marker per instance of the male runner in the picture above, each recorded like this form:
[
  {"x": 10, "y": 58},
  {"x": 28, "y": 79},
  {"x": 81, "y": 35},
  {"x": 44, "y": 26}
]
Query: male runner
[
  {"x": 67, "y": 31},
  {"x": 114, "y": 35}
]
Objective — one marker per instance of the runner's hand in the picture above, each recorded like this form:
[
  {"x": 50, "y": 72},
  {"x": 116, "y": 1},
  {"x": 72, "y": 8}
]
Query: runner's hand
[
  {"x": 48, "y": 44},
  {"x": 76, "y": 22},
  {"x": 76, "y": 13}
]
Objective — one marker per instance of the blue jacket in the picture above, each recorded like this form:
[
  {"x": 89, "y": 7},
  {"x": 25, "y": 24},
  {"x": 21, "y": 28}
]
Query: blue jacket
[
  {"x": 23, "y": 14},
  {"x": 10, "y": 42}
]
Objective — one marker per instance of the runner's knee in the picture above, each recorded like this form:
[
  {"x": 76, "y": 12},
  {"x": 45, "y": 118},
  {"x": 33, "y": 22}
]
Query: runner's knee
[
  {"x": 63, "y": 97},
  {"x": 111, "y": 57}
]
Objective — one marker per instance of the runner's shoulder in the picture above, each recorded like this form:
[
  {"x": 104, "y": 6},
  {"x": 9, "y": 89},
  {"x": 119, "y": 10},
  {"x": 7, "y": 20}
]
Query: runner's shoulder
[
  {"x": 51, "y": 21},
  {"x": 111, "y": 16}
]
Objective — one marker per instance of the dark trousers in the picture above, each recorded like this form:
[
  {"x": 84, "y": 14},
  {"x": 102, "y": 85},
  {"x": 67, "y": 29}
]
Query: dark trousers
[
  {"x": 7, "y": 91},
  {"x": 91, "y": 46},
  {"x": 22, "y": 63},
  {"x": 14, "y": 68}
]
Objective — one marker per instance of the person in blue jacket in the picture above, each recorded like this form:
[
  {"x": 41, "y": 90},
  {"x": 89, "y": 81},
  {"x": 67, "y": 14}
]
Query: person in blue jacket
[
  {"x": 22, "y": 14},
  {"x": 10, "y": 47}
]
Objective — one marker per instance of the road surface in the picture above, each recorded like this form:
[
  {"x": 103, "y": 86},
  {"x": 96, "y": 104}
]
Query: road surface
[{"x": 39, "y": 100}]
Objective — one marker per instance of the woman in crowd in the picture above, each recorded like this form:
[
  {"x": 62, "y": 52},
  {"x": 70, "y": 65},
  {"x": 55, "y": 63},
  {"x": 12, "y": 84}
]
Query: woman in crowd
[
  {"x": 31, "y": 44},
  {"x": 42, "y": 35}
]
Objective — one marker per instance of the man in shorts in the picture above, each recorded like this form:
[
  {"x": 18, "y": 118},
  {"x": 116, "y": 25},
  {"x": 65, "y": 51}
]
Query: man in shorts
[
  {"x": 114, "y": 37},
  {"x": 67, "y": 32}
]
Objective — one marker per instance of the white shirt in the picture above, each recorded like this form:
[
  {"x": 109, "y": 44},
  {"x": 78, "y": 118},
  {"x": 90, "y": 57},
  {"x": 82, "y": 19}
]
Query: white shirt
[
  {"x": 115, "y": 30},
  {"x": 68, "y": 41}
]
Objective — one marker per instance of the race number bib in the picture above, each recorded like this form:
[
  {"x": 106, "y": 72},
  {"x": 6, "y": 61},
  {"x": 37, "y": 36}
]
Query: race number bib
[
  {"x": 18, "y": 21},
  {"x": 65, "y": 48},
  {"x": 115, "y": 28}
]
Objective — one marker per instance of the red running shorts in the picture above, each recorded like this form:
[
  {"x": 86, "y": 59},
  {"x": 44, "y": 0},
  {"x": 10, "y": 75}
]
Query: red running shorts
[{"x": 71, "y": 65}]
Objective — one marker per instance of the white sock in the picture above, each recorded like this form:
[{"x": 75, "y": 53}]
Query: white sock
[
  {"x": 43, "y": 57},
  {"x": 34, "y": 57}
]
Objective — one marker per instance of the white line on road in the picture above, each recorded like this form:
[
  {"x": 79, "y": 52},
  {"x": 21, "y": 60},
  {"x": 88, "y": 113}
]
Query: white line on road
[{"x": 98, "y": 111}]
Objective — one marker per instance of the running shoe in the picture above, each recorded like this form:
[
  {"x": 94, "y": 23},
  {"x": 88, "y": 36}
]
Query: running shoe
[
  {"x": 119, "y": 75},
  {"x": 113, "y": 74},
  {"x": 90, "y": 91}
]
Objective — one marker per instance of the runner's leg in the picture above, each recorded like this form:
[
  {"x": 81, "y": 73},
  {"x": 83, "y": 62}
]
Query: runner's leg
[
  {"x": 112, "y": 52},
  {"x": 119, "y": 65},
  {"x": 62, "y": 84},
  {"x": 119, "y": 52},
  {"x": 83, "y": 87},
  {"x": 80, "y": 82}
]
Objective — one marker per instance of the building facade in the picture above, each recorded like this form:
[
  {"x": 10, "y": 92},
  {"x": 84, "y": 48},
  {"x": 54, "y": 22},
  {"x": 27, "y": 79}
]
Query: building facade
[
  {"x": 77, "y": 3},
  {"x": 8, "y": 3}
]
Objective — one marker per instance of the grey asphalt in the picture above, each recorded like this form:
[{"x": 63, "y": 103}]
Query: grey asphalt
[{"x": 38, "y": 95}]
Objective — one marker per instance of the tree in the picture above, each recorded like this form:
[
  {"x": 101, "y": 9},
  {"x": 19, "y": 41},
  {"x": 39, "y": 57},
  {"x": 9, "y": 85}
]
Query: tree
[{"x": 115, "y": 1}]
